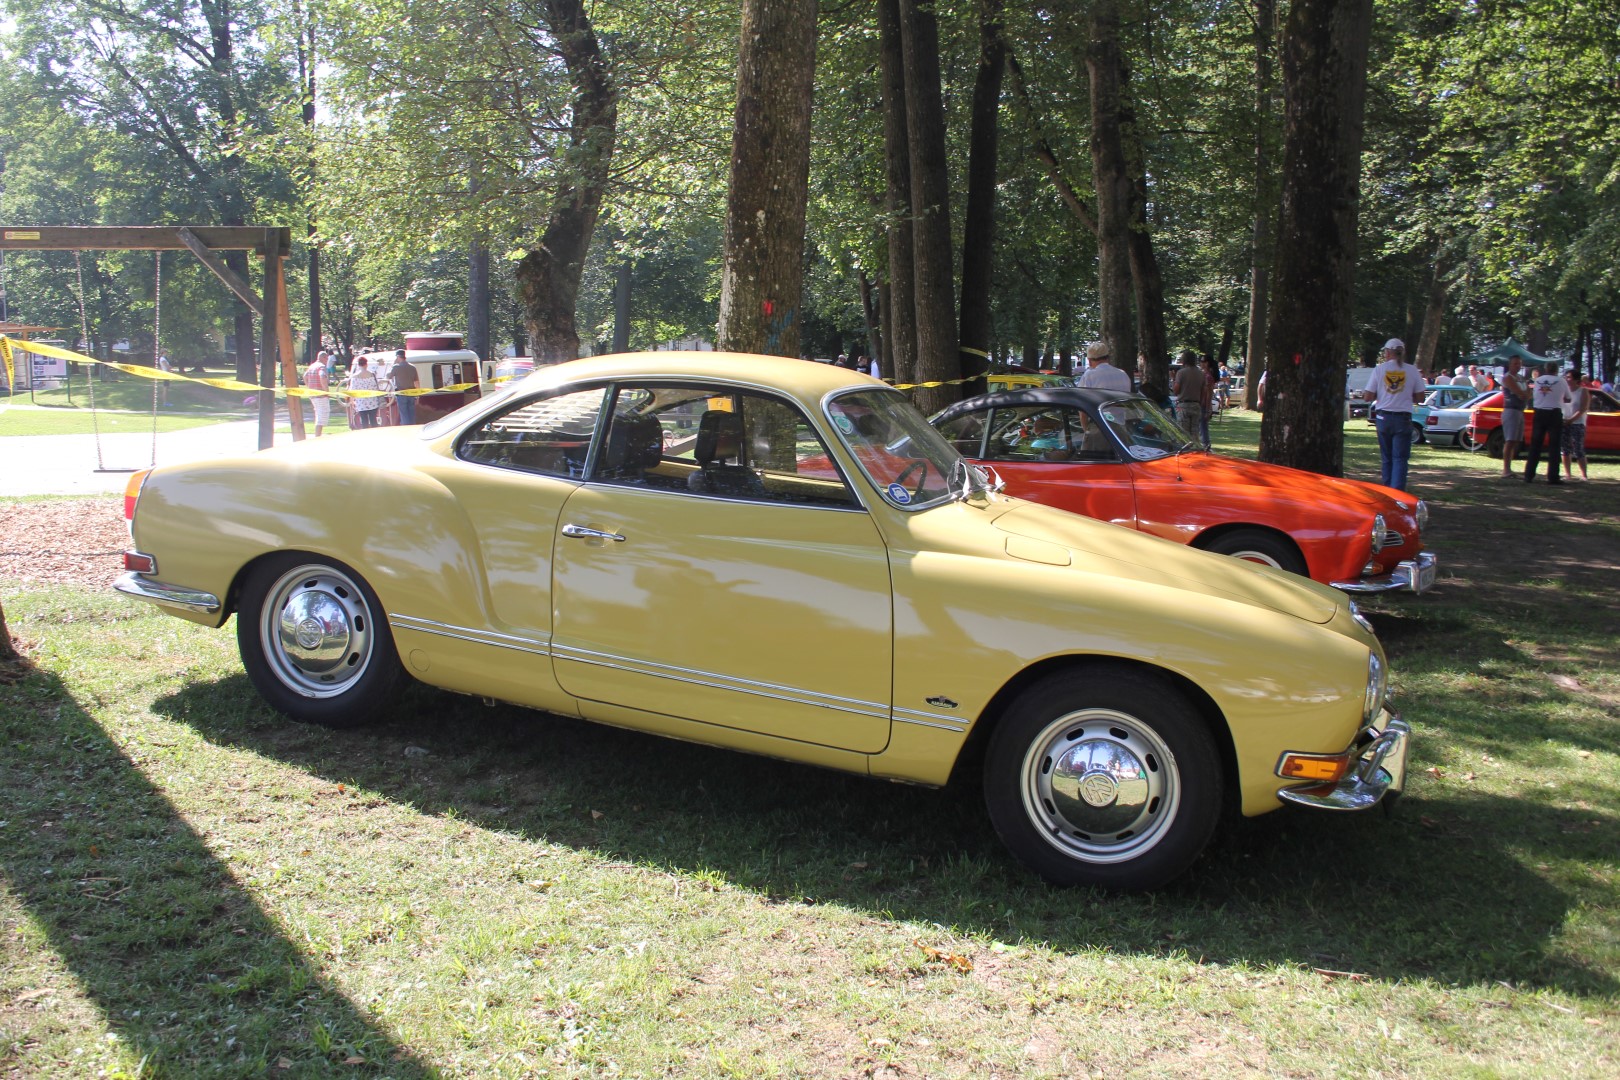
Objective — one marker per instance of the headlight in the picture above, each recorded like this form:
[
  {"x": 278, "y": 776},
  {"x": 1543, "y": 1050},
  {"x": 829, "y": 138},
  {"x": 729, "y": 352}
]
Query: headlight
[
  {"x": 1422, "y": 518},
  {"x": 1375, "y": 684},
  {"x": 1361, "y": 620},
  {"x": 1378, "y": 533}
]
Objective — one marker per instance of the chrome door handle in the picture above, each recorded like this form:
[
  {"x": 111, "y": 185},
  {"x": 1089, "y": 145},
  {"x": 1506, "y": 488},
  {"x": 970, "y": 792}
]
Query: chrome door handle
[{"x": 580, "y": 532}]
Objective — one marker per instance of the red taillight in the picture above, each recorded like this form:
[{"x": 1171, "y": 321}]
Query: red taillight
[
  {"x": 141, "y": 564},
  {"x": 132, "y": 491}
]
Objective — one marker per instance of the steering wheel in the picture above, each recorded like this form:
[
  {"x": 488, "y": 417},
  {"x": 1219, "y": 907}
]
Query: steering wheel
[{"x": 920, "y": 464}]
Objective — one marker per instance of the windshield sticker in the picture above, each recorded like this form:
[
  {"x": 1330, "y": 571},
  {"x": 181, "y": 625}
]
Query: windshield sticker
[
  {"x": 1145, "y": 453},
  {"x": 899, "y": 494},
  {"x": 845, "y": 424}
]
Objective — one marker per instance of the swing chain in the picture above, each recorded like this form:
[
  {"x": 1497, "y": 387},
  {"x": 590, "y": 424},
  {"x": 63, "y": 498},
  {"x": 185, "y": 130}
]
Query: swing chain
[{"x": 157, "y": 347}]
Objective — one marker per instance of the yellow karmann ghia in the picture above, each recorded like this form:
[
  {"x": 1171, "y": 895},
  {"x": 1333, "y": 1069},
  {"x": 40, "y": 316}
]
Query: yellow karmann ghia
[{"x": 782, "y": 557}]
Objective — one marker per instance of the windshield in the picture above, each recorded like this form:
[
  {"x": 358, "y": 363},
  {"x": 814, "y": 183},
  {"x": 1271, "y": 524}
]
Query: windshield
[
  {"x": 1146, "y": 430},
  {"x": 451, "y": 421},
  {"x": 908, "y": 462}
]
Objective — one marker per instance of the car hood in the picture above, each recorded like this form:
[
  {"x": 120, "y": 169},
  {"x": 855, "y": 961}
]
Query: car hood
[
  {"x": 1215, "y": 472},
  {"x": 1043, "y": 534}
]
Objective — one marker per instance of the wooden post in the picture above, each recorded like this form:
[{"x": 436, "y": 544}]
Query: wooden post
[
  {"x": 289, "y": 363},
  {"x": 267, "y": 340}
]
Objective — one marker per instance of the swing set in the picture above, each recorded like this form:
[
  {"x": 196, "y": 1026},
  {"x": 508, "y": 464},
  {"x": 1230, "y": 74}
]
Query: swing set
[{"x": 273, "y": 245}]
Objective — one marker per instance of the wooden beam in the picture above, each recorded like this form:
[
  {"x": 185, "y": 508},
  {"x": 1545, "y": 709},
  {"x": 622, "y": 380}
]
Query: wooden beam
[
  {"x": 289, "y": 365},
  {"x": 144, "y": 238},
  {"x": 241, "y": 288},
  {"x": 268, "y": 350}
]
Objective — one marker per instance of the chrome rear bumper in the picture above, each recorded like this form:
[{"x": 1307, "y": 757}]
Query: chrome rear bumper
[
  {"x": 166, "y": 595},
  {"x": 1380, "y": 772},
  {"x": 1410, "y": 575}
]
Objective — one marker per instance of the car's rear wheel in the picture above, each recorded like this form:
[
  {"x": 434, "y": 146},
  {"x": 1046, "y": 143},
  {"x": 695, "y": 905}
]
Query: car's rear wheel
[
  {"x": 315, "y": 642},
  {"x": 1417, "y": 432},
  {"x": 1493, "y": 443},
  {"x": 1103, "y": 776},
  {"x": 1465, "y": 440},
  {"x": 1257, "y": 545}
]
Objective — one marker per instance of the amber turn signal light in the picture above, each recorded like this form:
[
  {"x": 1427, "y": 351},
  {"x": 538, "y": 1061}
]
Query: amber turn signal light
[{"x": 1322, "y": 768}]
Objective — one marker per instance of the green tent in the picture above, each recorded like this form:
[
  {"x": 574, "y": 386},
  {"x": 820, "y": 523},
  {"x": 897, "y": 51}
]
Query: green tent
[{"x": 1505, "y": 351}]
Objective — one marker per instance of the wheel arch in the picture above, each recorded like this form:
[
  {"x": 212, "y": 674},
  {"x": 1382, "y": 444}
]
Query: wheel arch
[
  {"x": 971, "y": 756},
  {"x": 1204, "y": 540}
]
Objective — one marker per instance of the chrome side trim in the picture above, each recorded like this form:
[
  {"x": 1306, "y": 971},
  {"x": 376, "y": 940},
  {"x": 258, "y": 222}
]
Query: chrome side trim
[
  {"x": 537, "y": 646},
  {"x": 164, "y": 594},
  {"x": 717, "y": 681},
  {"x": 930, "y": 719}
]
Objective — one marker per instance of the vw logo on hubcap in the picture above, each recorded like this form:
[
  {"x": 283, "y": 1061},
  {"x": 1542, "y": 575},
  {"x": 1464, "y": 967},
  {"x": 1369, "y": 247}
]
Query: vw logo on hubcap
[
  {"x": 310, "y": 633},
  {"x": 1098, "y": 789}
]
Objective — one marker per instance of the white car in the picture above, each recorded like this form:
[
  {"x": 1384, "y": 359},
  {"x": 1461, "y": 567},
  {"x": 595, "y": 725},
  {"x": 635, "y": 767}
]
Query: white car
[{"x": 1450, "y": 426}]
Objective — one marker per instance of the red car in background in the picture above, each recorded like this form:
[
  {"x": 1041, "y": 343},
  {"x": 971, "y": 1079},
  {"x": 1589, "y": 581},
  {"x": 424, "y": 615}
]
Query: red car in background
[
  {"x": 1602, "y": 424},
  {"x": 1119, "y": 458}
]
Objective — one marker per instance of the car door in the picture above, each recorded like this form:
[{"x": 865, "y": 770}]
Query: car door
[
  {"x": 1071, "y": 463},
  {"x": 755, "y": 598}
]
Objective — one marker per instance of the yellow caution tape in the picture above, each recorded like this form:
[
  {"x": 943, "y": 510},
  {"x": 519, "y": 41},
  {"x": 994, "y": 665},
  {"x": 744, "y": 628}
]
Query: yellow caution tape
[{"x": 8, "y": 344}]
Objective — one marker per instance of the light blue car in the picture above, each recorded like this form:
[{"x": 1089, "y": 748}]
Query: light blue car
[{"x": 1442, "y": 396}]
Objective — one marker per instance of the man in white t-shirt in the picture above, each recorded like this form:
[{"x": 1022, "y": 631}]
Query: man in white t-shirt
[
  {"x": 1549, "y": 393},
  {"x": 1399, "y": 387},
  {"x": 1100, "y": 373}
]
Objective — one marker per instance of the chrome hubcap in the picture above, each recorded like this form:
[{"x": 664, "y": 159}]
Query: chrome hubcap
[
  {"x": 316, "y": 630},
  {"x": 1100, "y": 785}
]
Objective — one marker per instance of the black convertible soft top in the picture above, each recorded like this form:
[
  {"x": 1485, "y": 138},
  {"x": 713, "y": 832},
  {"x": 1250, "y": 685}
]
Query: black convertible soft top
[{"x": 1071, "y": 396}]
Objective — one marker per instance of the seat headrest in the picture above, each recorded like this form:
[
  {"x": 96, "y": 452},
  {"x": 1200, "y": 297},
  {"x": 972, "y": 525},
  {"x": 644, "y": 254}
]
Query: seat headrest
[{"x": 719, "y": 436}]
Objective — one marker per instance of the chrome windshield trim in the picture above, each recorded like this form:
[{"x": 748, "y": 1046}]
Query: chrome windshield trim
[
  {"x": 164, "y": 594},
  {"x": 717, "y": 681}
]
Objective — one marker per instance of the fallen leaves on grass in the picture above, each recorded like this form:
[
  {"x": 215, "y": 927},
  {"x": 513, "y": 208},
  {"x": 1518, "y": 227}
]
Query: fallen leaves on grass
[{"x": 961, "y": 964}]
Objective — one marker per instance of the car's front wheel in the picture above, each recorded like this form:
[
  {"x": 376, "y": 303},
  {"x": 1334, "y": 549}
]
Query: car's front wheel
[
  {"x": 1258, "y": 545},
  {"x": 1104, "y": 776},
  {"x": 315, "y": 642}
]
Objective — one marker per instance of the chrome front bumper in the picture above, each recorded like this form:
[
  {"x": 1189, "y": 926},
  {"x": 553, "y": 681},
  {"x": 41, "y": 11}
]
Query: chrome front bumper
[
  {"x": 165, "y": 595},
  {"x": 1409, "y": 575},
  {"x": 1379, "y": 772}
]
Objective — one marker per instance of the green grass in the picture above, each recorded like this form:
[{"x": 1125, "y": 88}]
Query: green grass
[{"x": 193, "y": 886}]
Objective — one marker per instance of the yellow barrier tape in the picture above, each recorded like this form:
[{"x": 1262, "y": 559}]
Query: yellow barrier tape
[
  {"x": 11, "y": 369},
  {"x": 8, "y": 344}
]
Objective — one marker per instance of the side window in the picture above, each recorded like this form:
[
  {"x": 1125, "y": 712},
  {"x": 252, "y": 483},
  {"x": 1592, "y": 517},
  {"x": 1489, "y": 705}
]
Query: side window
[
  {"x": 550, "y": 436},
  {"x": 966, "y": 433},
  {"x": 716, "y": 442}
]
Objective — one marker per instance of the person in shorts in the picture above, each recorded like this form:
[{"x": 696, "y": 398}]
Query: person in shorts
[
  {"x": 317, "y": 377},
  {"x": 1515, "y": 396}
]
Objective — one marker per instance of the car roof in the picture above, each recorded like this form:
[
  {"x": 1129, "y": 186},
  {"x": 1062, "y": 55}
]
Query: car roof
[
  {"x": 1036, "y": 396},
  {"x": 805, "y": 378}
]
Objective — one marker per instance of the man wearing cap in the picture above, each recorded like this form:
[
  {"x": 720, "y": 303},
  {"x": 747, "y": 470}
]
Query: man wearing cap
[
  {"x": 1399, "y": 386},
  {"x": 1100, "y": 373},
  {"x": 1187, "y": 387},
  {"x": 404, "y": 377}
]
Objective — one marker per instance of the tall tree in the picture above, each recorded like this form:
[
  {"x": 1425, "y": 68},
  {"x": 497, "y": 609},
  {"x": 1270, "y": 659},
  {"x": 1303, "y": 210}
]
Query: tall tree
[
  {"x": 763, "y": 276},
  {"x": 1308, "y": 336},
  {"x": 899, "y": 307},
  {"x": 1105, "y": 67},
  {"x": 979, "y": 219},
  {"x": 1265, "y": 197},
  {"x": 937, "y": 358}
]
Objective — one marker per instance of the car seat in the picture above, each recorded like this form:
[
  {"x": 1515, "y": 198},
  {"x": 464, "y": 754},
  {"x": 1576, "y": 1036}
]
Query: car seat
[{"x": 719, "y": 438}]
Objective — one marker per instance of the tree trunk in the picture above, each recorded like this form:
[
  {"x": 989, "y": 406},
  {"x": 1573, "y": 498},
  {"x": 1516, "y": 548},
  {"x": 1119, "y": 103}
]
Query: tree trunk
[
  {"x": 623, "y": 280},
  {"x": 1308, "y": 335},
  {"x": 869, "y": 300},
  {"x": 1265, "y": 203},
  {"x": 478, "y": 335},
  {"x": 763, "y": 273},
  {"x": 1434, "y": 317},
  {"x": 1105, "y": 64},
  {"x": 549, "y": 273},
  {"x": 900, "y": 308},
  {"x": 979, "y": 219},
  {"x": 306, "y": 69},
  {"x": 931, "y": 264},
  {"x": 8, "y": 651},
  {"x": 1148, "y": 285}
]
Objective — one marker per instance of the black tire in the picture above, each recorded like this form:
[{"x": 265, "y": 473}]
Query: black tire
[
  {"x": 1493, "y": 443},
  {"x": 1417, "y": 433},
  {"x": 315, "y": 642},
  {"x": 1465, "y": 440},
  {"x": 1258, "y": 545},
  {"x": 1103, "y": 776}
]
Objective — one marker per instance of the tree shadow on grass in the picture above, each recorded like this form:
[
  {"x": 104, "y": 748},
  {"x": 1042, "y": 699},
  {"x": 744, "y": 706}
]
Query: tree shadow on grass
[
  {"x": 1386, "y": 898},
  {"x": 181, "y": 962}
]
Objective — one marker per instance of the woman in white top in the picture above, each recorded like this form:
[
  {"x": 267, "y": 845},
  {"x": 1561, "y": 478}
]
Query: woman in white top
[{"x": 1575, "y": 411}]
